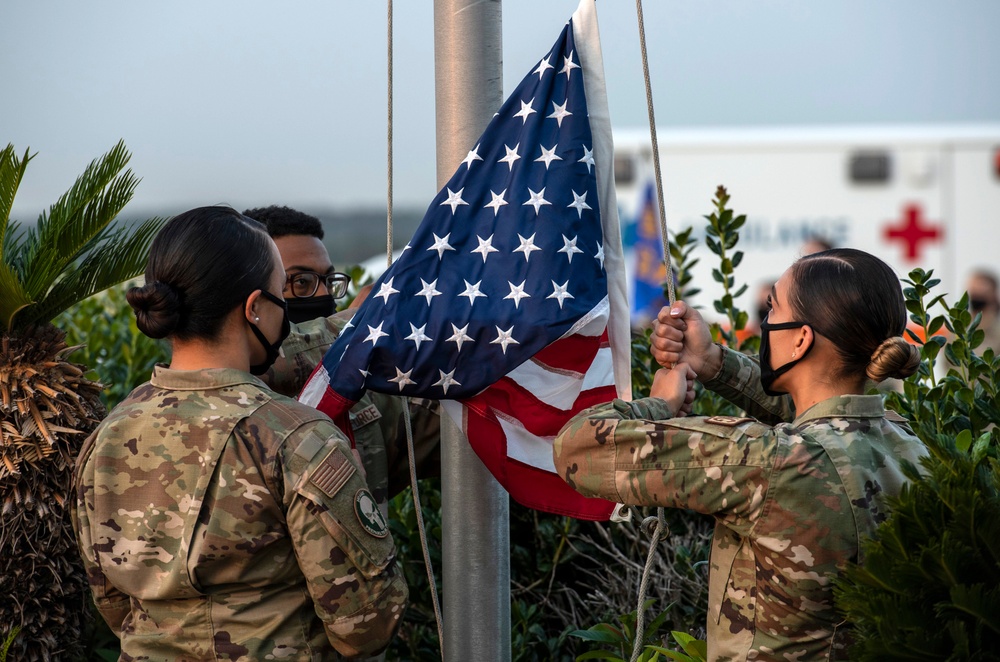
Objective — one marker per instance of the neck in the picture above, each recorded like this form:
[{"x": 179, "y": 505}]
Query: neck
[
  {"x": 229, "y": 349},
  {"x": 816, "y": 385},
  {"x": 812, "y": 381},
  {"x": 202, "y": 354}
]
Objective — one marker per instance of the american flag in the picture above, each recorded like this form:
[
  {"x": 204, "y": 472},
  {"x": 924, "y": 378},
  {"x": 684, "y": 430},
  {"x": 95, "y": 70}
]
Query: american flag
[{"x": 508, "y": 304}]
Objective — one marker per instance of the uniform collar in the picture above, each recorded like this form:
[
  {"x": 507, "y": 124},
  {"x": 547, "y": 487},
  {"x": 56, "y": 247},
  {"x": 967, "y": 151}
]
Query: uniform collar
[
  {"x": 196, "y": 380},
  {"x": 843, "y": 406}
]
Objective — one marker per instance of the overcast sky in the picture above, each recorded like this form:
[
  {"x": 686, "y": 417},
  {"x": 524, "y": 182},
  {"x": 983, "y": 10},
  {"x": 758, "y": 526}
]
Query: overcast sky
[{"x": 252, "y": 103}]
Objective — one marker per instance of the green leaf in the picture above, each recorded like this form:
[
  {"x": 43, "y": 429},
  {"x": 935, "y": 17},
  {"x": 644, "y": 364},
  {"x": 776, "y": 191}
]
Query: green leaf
[
  {"x": 963, "y": 440},
  {"x": 602, "y": 632}
]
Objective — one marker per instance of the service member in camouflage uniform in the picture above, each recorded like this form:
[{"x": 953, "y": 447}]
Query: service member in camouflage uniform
[
  {"x": 312, "y": 287},
  {"x": 217, "y": 519},
  {"x": 794, "y": 489}
]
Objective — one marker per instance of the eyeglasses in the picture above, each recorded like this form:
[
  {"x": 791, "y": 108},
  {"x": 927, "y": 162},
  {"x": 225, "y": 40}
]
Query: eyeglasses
[{"x": 304, "y": 284}]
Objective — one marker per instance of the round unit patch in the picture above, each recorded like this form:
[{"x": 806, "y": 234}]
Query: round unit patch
[{"x": 369, "y": 515}]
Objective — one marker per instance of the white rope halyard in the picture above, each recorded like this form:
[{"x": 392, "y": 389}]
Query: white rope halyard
[
  {"x": 656, "y": 524},
  {"x": 417, "y": 506}
]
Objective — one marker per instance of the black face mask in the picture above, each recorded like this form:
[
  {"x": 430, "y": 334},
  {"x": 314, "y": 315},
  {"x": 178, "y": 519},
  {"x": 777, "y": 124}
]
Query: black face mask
[
  {"x": 272, "y": 349},
  {"x": 767, "y": 373},
  {"x": 310, "y": 308}
]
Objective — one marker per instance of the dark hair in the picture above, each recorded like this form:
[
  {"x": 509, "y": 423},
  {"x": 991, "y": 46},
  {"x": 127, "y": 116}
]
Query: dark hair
[
  {"x": 855, "y": 300},
  {"x": 283, "y": 221},
  {"x": 202, "y": 264}
]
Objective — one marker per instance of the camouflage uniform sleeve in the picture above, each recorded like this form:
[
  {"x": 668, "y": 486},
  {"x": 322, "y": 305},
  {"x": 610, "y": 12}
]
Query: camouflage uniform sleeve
[
  {"x": 302, "y": 351},
  {"x": 342, "y": 541},
  {"x": 425, "y": 421},
  {"x": 635, "y": 453},
  {"x": 113, "y": 605},
  {"x": 739, "y": 382}
]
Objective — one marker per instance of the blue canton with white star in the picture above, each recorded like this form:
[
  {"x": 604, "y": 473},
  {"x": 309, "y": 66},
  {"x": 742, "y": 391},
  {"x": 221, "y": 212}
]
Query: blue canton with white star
[{"x": 507, "y": 258}]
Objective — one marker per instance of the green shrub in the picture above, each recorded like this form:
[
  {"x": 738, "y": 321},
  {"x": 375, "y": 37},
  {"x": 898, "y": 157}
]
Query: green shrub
[
  {"x": 119, "y": 354},
  {"x": 929, "y": 586}
]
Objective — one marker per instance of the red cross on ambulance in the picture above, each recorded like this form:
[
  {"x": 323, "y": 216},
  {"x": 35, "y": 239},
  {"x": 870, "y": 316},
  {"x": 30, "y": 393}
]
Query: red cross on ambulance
[{"x": 912, "y": 230}]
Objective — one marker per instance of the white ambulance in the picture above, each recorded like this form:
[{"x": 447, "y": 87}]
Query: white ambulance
[{"x": 916, "y": 196}]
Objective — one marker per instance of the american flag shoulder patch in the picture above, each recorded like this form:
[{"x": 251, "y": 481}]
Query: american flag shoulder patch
[{"x": 332, "y": 473}]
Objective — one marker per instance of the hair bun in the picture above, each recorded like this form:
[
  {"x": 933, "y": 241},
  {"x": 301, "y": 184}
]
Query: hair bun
[
  {"x": 894, "y": 358},
  {"x": 157, "y": 307}
]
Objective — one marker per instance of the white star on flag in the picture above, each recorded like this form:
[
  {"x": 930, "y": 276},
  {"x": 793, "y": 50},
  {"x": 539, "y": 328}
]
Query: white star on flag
[
  {"x": 497, "y": 202},
  {"x": 472, "y": 291},
  {"x": 417, "y": 335},
  {"x": 516, "y": 293},
  {"x": 511, "y": 156},
  {"x": 526, "y": 110},
  {"x": 402, "y": 378},
  {"x": 559, "y": 112},
  {"x": 386, "y": 290},
  {"x": 527, "y": 246},
  {"x": 548, "y": 156},
  {"x": 460, "y": 336},
  {"x": 454, "y": 199},
  {"x": 569, "y": 247},
  {"x": 447, "y": 380},
  {"x": 473, "y": 155},
  {"x": 485, "y": 247},
  {"x": 504, "y": 338},
  {"x": 537, "y": 200},
  {"x": 579, "y": 203},
  {"x": 568, "y": 65},
  {"x": 428, "y": 290},
  {"x": 559, "y": 293},
  {"x": 542, "y": 66},
  {"x": 374, "y": 333},
  {"x": 441, "y": 245}
]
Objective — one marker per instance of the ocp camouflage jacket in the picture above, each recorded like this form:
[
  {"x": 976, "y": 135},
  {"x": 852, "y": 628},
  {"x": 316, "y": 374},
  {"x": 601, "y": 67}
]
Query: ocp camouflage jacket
[
  {"x": 218, "y": 520},
  {"x": 791, "y": 502}
]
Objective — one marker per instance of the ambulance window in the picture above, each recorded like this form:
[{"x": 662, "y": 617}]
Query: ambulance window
[
  {"x": 624, "y": 170},
  {"x": 870, "y": 167}
]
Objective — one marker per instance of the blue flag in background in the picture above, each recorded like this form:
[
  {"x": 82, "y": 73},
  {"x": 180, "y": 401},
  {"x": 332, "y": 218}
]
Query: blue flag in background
[{"x": 649, "y": 273}]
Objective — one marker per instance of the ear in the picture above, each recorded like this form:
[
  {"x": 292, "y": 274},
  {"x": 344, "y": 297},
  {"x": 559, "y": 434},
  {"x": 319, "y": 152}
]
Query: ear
[
  {"x": 250, "y": 307},
  {"x": 804, "y": 340}
]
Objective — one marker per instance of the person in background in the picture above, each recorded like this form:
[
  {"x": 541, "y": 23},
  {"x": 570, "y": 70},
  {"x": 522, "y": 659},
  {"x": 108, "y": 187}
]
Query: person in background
[
  {"x": 312, "y": 286},
  {"x": 216, "y": 518},
  {"x": 311, "y": 289},
  {"x": 797, "y": 484},
  {"x": 815, "y": 244},
  {"x": 984, "y": 298}
]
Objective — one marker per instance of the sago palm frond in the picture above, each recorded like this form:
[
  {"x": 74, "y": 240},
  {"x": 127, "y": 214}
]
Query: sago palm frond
[
  {"x": 120, "y": 256},
  {"x": 76, "y": 219},
  {"x": 74, "y": 251},
  {"x": 13, "y": 296}
]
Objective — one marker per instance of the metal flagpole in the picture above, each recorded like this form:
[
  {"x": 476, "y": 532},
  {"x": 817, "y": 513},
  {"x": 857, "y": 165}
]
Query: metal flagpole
[{"x": 468, "y": 76}]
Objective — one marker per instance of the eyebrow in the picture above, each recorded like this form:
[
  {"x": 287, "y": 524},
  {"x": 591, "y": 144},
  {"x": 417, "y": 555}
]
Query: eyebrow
[{"x": 299, "y": 267}]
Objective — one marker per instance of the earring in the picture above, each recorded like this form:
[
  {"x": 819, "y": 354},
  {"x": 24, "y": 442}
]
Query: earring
[
  {"x": 257, "y": 319},
  {"x": 794, "y": 352}
]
